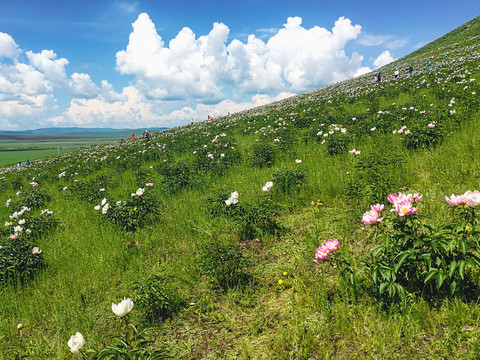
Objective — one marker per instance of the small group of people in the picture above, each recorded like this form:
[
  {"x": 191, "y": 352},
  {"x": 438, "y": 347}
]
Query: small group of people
[{"x": 146, "y": 136}]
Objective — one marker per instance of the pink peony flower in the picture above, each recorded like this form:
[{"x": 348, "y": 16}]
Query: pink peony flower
[
  {"x": 455, "y": 200},
  {"x": 472, "y": 198},
  {"x": 332, "y": 244},
  {"x": 377, "y": 207},
  {"x": 370, "y": 218},
  {"x": 405, "y": 207},
  {"x": 321, "y": 254}
]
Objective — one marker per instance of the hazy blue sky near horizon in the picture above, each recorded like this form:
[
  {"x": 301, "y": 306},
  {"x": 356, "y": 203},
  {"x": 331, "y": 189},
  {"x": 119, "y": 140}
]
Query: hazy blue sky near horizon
[{"x": 155, "y": 63}]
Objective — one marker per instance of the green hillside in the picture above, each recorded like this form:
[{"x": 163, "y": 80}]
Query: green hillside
[{"x": 338, "y": 224}]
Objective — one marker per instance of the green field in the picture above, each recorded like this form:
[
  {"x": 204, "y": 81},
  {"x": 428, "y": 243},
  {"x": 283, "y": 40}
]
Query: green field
[{"x": 14, "y": 151}]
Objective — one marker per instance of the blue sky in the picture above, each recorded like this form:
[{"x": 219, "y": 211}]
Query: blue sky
[{"x": 152, "y": 63}]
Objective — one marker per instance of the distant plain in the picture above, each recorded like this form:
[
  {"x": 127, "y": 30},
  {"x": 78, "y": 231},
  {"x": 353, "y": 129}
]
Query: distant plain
[{"x": 14, "y": 149}]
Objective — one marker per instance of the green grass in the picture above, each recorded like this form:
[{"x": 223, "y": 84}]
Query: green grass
[
  {"x": 12, "y": 152},
  {"x": 291, "y": 308}
]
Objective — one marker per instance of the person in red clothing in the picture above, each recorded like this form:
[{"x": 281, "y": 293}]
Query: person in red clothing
[{"x": 133, "y": 135}]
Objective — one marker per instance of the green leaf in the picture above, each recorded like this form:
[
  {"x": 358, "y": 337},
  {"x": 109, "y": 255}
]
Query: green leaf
[
  {"x": 401, "y": 260},
  {"x": 461, "y": 268},
  {"x": 453, "y": 287},
  {"x": 432, "y": 273},
  {"x": 441, "y": 278},
  {"x": 453, "y": 266},
  {"x": 463, "y": 245},
  {"x": 382, "y": 287}
]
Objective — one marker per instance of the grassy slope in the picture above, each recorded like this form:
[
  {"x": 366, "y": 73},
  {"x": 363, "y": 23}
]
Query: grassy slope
[{"x": 312, "y": 314}]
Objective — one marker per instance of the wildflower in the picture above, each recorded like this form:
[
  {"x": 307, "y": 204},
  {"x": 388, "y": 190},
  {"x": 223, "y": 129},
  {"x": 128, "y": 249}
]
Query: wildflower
[
  {"x": 298, "y": 161},
  {"x": 18, "y": 229},
  {"x": 14, "y": 236},
  {"x": 268, "y": 186},
  {"x": 105, "y": 208},
  {"x": 102, "y": 190},
  {"x": 7, "y": 223},
  {"x": 19, "y": 326},
  {"x": 472, "y": 198},
  {"x": 455, "y": 200},
  {"x": 123, "y": 308},
  {"x": 431, "y": 125},
  {"x": 378, "y": 207},
  {"x": 321, "y": 255},
  {"x": 97, "y": 207},
  {"x": 139, "y": 192},
  {"x": 233, "y": 199},
  {"x": 373, "y": 128},
  {"x": 332, "y": 245},
  {"x": 36, "y": 250},
  {"x": 104, "y": 201},
  {"x": 280, "y": 281},
  {"x": 65, "y": 188},
  {"x": 7, "y": 204},
  {"x": 405, "y": 207},
  {"x": 370, "y": 218},
  {"x": 76, "y": 342},
  {"x": 149, "y": 184},
  {"x": 18, "y": 193}
]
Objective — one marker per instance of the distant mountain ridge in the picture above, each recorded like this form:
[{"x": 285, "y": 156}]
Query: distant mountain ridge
[{"x": 80, "y": 132}]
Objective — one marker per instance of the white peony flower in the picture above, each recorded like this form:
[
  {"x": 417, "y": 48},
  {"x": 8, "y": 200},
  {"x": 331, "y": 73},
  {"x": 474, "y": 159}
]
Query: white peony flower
[
  {"x": 268, "y": 186},
  {"x": 123, "y": 308},
  {"x": 76, "y": 342}
]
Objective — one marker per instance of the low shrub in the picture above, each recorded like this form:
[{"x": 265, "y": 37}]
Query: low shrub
[
  {"x": 225, "y": 266},
  {"x": 158, "y": 297}
]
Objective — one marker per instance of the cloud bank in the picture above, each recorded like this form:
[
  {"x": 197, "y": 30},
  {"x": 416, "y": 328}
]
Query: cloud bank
[
  {"x": 205, "y": 68},
  {"x": 187, "y": 77}
]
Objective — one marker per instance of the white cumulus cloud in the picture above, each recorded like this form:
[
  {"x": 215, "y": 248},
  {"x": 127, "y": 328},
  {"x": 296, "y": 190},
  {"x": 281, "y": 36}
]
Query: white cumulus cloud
[
  {"x": 8, "y": 47},
  {"x": 383, "y": 59},
  {"x": 205, "y": 68}
]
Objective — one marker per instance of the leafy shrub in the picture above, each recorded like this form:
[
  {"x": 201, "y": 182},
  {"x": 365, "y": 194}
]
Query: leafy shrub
[
  {"x": 158, "y": 297},
  {"x": 33, "y": 199},
  {"x": 40, "y": 225},
  {"x": 216, "y": 160},
  {"x": 374, "y": 176},
  {"x": 134, "y": 213},
  {"x": 412, "y": 257},
  {"x": 287, "y": 180},
  {"x": 177, "y": 177},
  {"x": 225, "y": 265},
  {"x": 88, "y": 192},
  {"x": 337, "y": 143},
  {"x": 287, "y": 144},
  {"x": 263, "y": 154},
  {"x": 16, "y": 183},
  {"x": 142, "y": 177},
  {"x": 215, "y": 203},
  {"x": 18, "y": 260},
  {"x": 423, "y": 137},
  {"x": 254, "y": 219}
]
